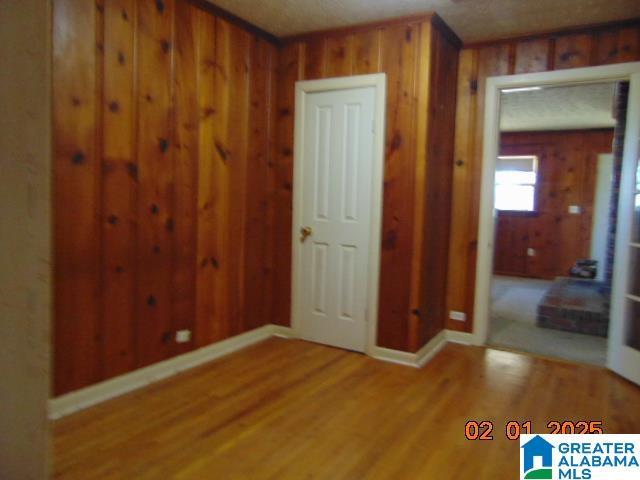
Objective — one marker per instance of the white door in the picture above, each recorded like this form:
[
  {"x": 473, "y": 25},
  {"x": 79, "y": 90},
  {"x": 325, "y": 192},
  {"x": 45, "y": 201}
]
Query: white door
[
  {"x": 624, "y": 338},
  {"x": 332, "y": 230}
]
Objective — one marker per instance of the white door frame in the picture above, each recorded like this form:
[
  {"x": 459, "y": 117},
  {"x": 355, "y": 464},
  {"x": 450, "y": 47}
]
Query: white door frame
[
  {"x": 484, "y": 266},
  {"x": 379, "y": 82}
]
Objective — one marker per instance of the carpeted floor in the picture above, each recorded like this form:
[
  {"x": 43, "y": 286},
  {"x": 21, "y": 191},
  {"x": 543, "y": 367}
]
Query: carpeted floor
[{"x": 513, "y": 324}]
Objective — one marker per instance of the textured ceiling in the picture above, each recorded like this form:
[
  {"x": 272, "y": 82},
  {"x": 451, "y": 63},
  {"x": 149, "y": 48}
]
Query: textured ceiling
[
  {"x": 472, "y": 20},
  {"x": 558, "y": 108}
]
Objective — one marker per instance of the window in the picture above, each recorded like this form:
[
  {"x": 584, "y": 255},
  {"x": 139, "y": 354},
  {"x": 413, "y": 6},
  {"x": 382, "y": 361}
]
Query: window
[{"x": 516, "y": 178}]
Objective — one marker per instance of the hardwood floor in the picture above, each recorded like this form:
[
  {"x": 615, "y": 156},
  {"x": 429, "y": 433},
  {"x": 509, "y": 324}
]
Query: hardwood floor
[{"x": 287, "y": 409}]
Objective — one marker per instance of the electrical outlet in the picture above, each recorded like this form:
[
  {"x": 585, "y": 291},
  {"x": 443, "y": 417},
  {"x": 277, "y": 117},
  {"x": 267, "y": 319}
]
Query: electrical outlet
[
  {"x": 531, "y": 252},
  {"x": 183, "y": 336},
  {"x": 458, "y": 316},
  {"x": 575, "y": 209}
]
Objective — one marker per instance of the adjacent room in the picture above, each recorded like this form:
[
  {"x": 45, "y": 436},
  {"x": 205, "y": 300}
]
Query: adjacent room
[
  {"x": 556, "y": 195},
  {"x": 298, "y": 239}
]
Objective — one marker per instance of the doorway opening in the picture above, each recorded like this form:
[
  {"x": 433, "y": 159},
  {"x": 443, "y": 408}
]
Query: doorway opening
[
  {"x": 556, "y": 179},
  {"x": 560, "y": 215}
]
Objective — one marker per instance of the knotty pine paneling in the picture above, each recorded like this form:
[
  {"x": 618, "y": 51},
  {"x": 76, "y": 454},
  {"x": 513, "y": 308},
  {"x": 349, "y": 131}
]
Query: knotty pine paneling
[
  {"x": 291, "y": 68},
  {"x": 436, "y": 195},
  {"x": 399, "y": 60},
  {"x": 184, "y": 223},
  {"x": 221, "y": 157},
  {"x": 531, "y": 56},
  {"x": 258, "y": 230},
  {"x": 119, "y": 188},
  {"x": 567, "y": 165},
  {"x": 77, "y": 186},
  {"x": 605, "y": 45},
  {"x": 156, "y": 184},
  {"x": 236, "y": 163},
  {"x": 163, "y": 170},
  {"x": 207, "y": 260},
  {"x": 572, "y": 51},
  {"x": 367, "y": 52},
  {"x": 420, "y": 91}
]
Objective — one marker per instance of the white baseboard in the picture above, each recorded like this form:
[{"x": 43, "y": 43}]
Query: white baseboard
[
  {"x": 94, "y": 394},
  {"x": 282, "y": 332},
  {"x": 432, "y": 347},
  {"x": 463, "y": 338},
  {"x": 86, "y": 397},
  {"x": 393, "y": 356},
  {"x": 418, "y": 359}
]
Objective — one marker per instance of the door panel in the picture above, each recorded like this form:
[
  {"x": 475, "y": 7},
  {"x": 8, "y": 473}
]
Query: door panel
[
  {"x": 337, "y": 164},
  {"x": 347, "y": 262},
  {"x": 624, "y": 338},
  {"x": 633, "y": 303},
  {"x": 321, "y": 161},
  {"x": 319, "y": 278},
  {"x": 632, "y": 333}
]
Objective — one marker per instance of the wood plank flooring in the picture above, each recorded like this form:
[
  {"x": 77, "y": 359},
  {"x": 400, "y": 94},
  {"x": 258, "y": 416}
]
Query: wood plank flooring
[{"x": 287, "y": 409}]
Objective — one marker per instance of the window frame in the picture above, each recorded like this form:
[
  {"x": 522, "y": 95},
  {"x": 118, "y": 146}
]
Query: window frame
[{"x": 524, "y": 213}]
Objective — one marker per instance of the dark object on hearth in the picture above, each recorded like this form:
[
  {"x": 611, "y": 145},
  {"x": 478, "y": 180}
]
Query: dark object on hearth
[{"x": 585, "y": 268}]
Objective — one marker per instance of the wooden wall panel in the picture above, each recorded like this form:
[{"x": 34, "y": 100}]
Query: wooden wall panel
[
  {"x": 563, "y": 51},
  {"x": 615, "y": 46},
  {"x": 155, "y": 176},
  {"x": 238, "y": 136},
  {"x": 402, "y": 50},
  {"x": 427, "y": 57},
  {"x": 76, "y": 194},
  {"x": 438, "y": 180},
  {"x": 269, "y": 244},
  {"x": 258, "y": 230},
  {"x": 119, "y": 188},
  {"x": 572, "y": 51},
  {"x": 315, "y": 58},
  {"x": 628, "y": 47},
  {"x": 532, "y": 56},
  {"x": 184, "y": 224},
  {"x": 207, "y": 263},
  {"x": 605, "y": 47},
  {"x": 366, "y": 52},
  {"x": 479, "y": 65},
  {"x": 291, "y": 68},
  {"x": 221, "y": 159},
  {"x": 461, "y": 249},
  {"x": 512, "y": 241},
  {"x": 162, "y": 127},
  {"x": 340, "y": 56},
  {"x": 399, "y": 61},
  {"x": 566, "y": 176}
]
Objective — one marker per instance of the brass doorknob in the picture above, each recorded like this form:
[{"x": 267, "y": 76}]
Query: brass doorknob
[{"x": 305, "y": 232}]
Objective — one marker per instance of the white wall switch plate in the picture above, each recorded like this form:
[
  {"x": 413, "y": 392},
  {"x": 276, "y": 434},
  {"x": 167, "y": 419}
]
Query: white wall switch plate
[
  {"x": 458, "y": 316},
  {"x": 183, "y": 336},
  {"x": 531, "y": 252},
  {"x": 575, "y": 209}
]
